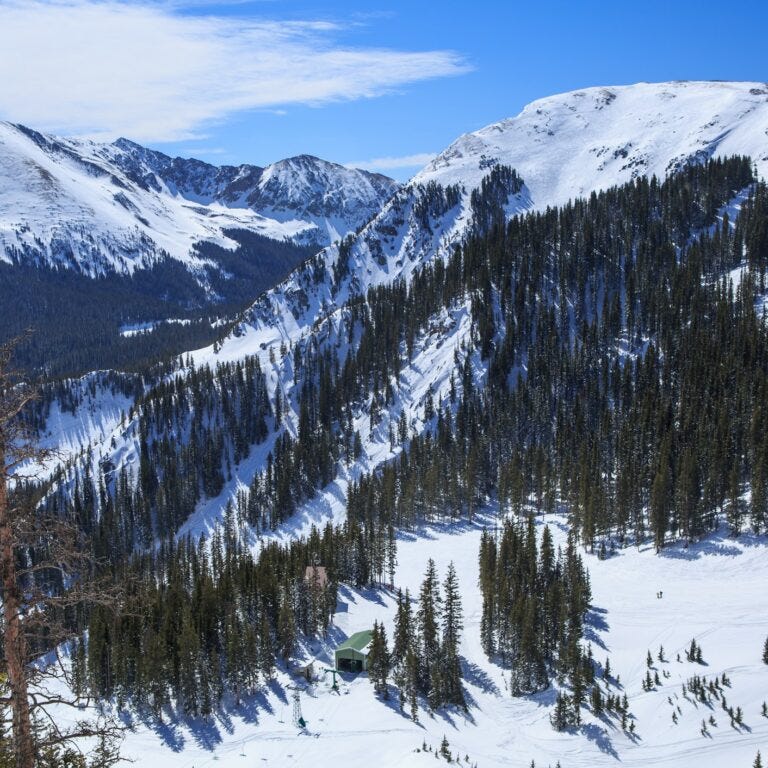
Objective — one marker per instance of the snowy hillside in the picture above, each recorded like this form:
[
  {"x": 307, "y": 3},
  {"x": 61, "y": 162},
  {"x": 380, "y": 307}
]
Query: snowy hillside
[
  {"x": 664, "y": 126},
  {"x": 562, "y": 147},
  {"x": 569, "y": 145},
  {"x": 628, "y": 620},
  {"x": 102, "y": 207}
]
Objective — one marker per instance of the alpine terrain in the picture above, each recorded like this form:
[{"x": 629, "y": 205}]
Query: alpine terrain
[{"x": 509, "y": 419}]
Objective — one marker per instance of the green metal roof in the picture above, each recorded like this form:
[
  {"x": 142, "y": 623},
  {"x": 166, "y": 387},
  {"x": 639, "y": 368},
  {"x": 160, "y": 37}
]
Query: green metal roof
[{"x": 358, "y": 641}]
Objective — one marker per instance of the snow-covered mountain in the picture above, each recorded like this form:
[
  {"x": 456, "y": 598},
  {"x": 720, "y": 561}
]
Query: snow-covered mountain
[
  {"x": 559, "y": 148},
  {"x": 119, "y": 207},
  {"x": 569, "y": 145}
]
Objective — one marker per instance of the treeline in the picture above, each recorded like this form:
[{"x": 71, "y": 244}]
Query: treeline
[{"x": 625, "y": 379}]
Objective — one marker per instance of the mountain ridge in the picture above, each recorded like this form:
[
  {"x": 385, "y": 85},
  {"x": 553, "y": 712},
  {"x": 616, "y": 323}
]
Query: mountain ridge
[{"x": 75, "y": 203}]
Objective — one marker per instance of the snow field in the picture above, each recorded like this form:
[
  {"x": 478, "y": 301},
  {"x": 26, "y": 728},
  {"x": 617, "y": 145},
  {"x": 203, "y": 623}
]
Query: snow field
[{"x": 713, "y": 591}]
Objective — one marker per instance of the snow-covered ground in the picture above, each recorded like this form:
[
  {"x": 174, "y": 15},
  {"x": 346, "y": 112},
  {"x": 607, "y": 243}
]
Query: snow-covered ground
[{"x": 714, "y": 591}]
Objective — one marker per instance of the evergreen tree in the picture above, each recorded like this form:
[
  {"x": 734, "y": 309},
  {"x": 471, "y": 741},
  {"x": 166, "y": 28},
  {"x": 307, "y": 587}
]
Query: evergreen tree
[
  {"x": 378, "y": 660},
  {"x": 428, "y": 617},
  {"x": 452, "y": 626}
]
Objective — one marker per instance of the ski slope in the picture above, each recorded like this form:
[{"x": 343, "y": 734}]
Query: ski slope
[{"x": 713, "y": 591}]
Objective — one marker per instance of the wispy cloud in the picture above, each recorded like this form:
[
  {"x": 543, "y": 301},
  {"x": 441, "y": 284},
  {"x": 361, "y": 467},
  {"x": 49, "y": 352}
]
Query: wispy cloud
[
  {"x": 391, "y": 163},
  {"x": 145, "y": 71},
  {"x": 201, "y": 151}
]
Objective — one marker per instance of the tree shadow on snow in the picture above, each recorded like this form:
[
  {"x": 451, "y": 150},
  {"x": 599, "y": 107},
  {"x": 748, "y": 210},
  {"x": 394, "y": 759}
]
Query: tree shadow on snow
[
  {"x": 599, "y": 736},
  {"x": 474, "y": 675},
  {"x": 545, "y": 698},
  {"x": 700, "y": 549},
  {"x": 393, "y": 702},
  {"x": 205, "y": 732},
  {"x": 372, "y": 594},
  {"x": 168, "y": 731},
  {"x": 277, "y": 691},
  {"x": 434, "y": 529},
  {"x": 252, "y": 706},
  {"x": 596, "y": 622},
  {"x": 719, "y": 543}
]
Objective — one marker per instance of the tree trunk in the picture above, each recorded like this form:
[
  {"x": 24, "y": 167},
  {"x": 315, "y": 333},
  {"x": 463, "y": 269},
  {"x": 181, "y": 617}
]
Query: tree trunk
[{"x": 14, "y": 641}]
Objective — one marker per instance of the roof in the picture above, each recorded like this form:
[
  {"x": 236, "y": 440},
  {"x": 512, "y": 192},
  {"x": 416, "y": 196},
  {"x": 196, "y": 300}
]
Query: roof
[
  {"x": 316, "y": 575},
  {"x": 357, "y": 642}
]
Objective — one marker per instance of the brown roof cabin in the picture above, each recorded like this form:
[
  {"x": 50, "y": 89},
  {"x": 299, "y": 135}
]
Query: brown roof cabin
[{"x": 316, "y": 576}]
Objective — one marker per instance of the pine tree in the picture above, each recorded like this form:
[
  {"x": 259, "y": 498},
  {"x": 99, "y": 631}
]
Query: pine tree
[
  {"x": 412, "y": 682},
  {"x": 286, "y": 629},
  {"x": 561, "y": 716},
  {"x": 378, "y": 660},
  {"x": 429, "y": 639},
  {"x": 596, "y": 700},
  {"x": 452, "y": 626},
  {"x": 444, "y": 749},
  {"x": 403, "y": 634}
]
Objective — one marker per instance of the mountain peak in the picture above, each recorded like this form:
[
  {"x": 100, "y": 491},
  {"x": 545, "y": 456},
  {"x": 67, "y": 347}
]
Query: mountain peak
[
  {"x": 570, "y": 144},
  {"x": 120, "y": 206}
]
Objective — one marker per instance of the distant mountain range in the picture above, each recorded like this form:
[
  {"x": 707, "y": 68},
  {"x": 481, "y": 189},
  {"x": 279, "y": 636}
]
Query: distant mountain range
[
  {"x": 165, "y": 238},
  {"x": 121, "y": 207}
]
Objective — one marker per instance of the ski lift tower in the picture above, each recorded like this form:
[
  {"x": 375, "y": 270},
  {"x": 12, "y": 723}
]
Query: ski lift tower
[
  {"x": 334, "y": 672},
  {"x": 298, "y": 718}
]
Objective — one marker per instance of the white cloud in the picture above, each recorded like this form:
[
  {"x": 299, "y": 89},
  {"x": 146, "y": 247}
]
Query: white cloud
[
  {"x": 109, "y": 68},
  {"x": 390, "y": 163}
]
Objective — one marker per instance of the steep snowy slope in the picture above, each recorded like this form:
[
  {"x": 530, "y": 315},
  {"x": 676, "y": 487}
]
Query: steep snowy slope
[
  {"x": 569, "y": 145},
  {"x": 120, "y": 207}
]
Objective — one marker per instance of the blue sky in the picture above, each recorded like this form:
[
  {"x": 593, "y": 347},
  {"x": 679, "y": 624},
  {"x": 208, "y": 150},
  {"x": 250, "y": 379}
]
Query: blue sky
[{"x": 381, "y": 84}]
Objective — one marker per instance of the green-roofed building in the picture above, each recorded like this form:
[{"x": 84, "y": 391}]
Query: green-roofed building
[{"x": 352, "y": 654}]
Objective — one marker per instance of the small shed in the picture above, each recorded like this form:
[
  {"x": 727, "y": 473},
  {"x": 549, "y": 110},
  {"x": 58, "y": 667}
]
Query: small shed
[
  {"x": 316, "y": 576},
  {"x": 352, "y": 654}
]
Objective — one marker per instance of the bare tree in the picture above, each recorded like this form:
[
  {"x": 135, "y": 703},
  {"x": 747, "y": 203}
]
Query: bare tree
[{"x": 47, "y": 575}]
